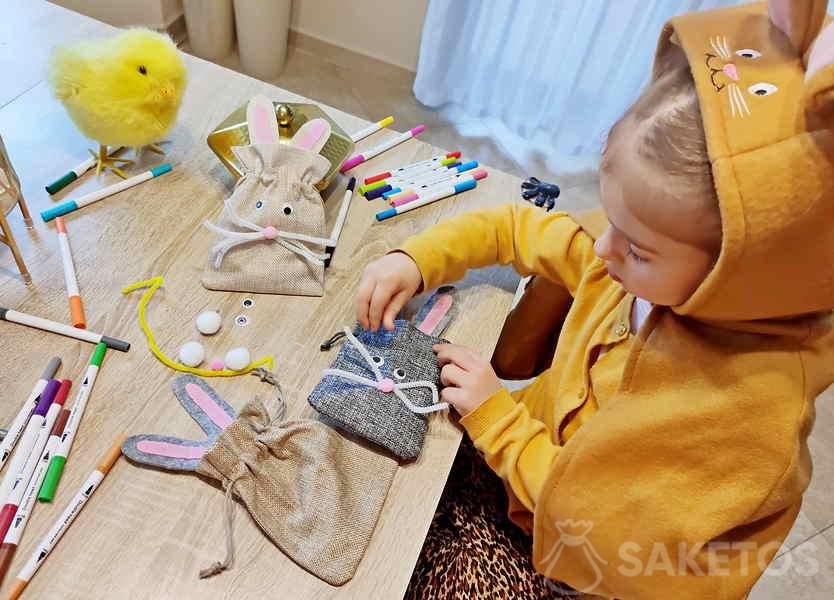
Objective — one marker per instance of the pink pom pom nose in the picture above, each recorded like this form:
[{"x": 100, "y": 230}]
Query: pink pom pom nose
[
  {"x": 386, "y": 386},
  {"x": 270, "y": 233}
]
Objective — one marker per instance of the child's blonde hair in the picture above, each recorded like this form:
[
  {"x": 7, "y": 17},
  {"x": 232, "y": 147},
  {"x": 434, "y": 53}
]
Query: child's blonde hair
[{"x": 667, "y": 135}]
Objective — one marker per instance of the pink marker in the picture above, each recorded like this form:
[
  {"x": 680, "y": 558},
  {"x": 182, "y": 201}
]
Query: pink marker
[
  {"x": 418, "y": 191},
  {"x": 369, "y": 154}
]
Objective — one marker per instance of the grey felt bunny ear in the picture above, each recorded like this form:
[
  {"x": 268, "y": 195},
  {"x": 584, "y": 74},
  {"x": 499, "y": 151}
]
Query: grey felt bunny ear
[
  {"x": 208, "y": 409},
  {"x": 438, "y": 311}
]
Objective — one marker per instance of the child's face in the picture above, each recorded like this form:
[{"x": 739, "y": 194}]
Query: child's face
[{"x": 642, "y": 247}]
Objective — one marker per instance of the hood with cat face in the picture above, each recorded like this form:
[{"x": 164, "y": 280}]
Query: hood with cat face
[{"x": 764, "y": 75}]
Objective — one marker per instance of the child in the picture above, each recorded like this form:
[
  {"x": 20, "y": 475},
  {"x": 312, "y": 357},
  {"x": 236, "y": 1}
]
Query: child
[{"x": 664, "y": 454}]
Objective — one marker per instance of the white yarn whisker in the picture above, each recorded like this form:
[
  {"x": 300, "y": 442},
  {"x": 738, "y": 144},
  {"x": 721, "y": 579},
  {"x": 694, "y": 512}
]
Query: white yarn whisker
[
  {"x": 398, "y": 387},
  {"x": 285, "y": 238}
]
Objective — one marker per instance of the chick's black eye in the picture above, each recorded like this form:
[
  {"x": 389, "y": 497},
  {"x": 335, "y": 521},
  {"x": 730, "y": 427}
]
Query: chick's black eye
[{"x": 143, "y": 70}]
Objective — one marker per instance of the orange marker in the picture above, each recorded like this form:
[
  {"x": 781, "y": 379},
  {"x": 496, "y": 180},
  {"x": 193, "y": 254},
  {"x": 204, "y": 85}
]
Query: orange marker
[{"x": 76, "y": 307}]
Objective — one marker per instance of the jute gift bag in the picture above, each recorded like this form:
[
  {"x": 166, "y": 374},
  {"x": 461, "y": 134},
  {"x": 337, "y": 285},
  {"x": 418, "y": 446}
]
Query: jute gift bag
[
  {"x": 316, "y": 494},
  {"x": 270, "y": 237}
]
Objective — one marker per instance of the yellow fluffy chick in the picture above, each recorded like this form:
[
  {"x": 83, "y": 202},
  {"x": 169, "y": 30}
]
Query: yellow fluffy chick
[{"x": 120, "y": 91}]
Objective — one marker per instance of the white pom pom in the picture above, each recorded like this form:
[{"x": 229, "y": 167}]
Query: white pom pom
[
  {"x": 237, "y": 359},
  {"x": 192, "y": 354},
  {"x": 208, "y": 322}
]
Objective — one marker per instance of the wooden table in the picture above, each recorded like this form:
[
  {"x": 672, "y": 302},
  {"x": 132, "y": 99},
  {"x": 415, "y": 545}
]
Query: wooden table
[{"x": 146, "y": 534}]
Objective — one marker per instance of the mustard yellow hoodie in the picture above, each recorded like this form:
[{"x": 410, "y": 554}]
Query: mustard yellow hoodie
[{"x": 673, "y": 466}]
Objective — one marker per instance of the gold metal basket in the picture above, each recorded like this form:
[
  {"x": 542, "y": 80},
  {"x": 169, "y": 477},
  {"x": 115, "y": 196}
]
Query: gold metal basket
[{"x": 234, "y": 132}]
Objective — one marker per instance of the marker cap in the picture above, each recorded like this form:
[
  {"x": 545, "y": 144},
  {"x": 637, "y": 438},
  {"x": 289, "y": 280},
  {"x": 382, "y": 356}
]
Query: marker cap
[
  {"x": 53, "y": 476},
  {"x": 59, "y": 184},
  {"x": 351, "y": 162},
  {"x": 386, "y": 214},
  {"x": 57, "y": 211},
  {"x": 98, "y": 354}
]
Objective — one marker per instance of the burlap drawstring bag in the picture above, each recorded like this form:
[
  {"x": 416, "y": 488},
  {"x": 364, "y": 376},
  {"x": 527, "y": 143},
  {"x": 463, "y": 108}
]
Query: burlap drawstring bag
[
  {"x": 270, "y": 237},
  {"x": 316, "y": 494},
  {"x": 383, "y": 384}
]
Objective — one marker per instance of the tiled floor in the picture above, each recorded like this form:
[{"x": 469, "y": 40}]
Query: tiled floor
[{"x": 373, "y": 90}]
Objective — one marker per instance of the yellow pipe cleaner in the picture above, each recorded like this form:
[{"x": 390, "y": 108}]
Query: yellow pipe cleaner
[{"x": 153, "y": 284}]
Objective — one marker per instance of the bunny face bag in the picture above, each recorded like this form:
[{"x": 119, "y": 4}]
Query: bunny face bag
[
  {"x": 383, "y": 384},
  {"x": 316, "y": 494},
  {"x": 271, "y": 233}
]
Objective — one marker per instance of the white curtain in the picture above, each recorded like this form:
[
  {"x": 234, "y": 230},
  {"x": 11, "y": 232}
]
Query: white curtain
[{"x": 545, "y": 77}]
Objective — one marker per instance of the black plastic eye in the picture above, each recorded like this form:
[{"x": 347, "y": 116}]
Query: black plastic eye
[
  {"x": 248, "y": 303},
  {"x": 241, "y": 320},
  {"x": 287, "y": 209},
  {"x": 259, "y": 204},
  {"x": 378, "y": 360},
  {"x": 399, "y": 373},
  {"x": 143, "y": 70}
]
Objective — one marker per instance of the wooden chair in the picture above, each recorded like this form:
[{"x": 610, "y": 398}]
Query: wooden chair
[{"x": 10, "y": 196}]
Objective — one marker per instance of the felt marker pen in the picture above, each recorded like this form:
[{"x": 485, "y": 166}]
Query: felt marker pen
[
  {"x": 432, "y": 196},
  {"x": 19, "y": 422},
  {"x": 377, "y": 150},
  {"x": 373, "y": 128},
  {"x": 27, "y": 440},
  {"x": 59, "y": 458},
  {"x": 9, "y": 509},
  {"x": 73, "y": 205},
  {"x": 433, "y": 160}
]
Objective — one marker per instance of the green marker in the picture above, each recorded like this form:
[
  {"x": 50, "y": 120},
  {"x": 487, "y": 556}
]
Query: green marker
[{"x": 59, "y": 459}]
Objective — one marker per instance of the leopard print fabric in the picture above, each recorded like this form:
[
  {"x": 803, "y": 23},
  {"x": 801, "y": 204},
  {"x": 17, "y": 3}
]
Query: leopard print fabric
[{"x": 473, "y": 551}]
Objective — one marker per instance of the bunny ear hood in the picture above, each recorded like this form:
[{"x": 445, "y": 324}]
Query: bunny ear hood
[{"x": 764, "y": 75}]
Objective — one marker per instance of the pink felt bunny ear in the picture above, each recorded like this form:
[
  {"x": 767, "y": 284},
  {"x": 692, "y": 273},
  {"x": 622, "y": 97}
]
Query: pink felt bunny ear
[
  {"x": 261, "y": 121},
  {"x": 208, "y": 409},
  {"x": 800, "y": 20}
]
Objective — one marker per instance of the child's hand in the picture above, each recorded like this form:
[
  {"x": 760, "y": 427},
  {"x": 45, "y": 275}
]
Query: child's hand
[
  {"x": 387, "y": 284},
  {"x": 469, "y": 378}
]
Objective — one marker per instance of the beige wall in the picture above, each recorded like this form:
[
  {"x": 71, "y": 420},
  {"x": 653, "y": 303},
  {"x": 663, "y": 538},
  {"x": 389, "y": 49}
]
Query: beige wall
[
  {"x": 386, "y": 29},
  {"x": 157, "y": 14}
]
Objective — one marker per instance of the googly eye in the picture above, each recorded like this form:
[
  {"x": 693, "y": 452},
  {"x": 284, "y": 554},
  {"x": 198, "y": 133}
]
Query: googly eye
[
  {"x": 248, "y": 303},
  {"x": 259, "y": 204},
  {"x": 287, "y": 209},
  {"x": 762, "y": 89},
  {"x": 241, "y": 320},
  {"x": 748, "y": 53},
  {"x": 378, "y": 360},
  {"x": 399, "y": 373}
]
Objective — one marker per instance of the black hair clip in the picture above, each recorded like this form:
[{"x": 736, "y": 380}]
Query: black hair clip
[{"x": 540, "y": 192}]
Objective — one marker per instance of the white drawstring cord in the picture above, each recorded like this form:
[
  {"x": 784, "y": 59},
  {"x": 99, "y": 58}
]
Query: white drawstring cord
[
  {"x": 288, "y": 240},
  {"x": 387, "y": 385}
]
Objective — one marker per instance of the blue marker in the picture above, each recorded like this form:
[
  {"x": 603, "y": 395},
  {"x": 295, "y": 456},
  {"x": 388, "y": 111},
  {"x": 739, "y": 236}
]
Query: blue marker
[
  {"x": 432, "y": 195},
  {"x": 73, "y": 205}
]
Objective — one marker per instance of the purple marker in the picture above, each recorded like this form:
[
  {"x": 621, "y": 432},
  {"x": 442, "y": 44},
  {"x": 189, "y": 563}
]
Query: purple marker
[
  {"x": 369, "y": 154},
  {"x": 28, "y": 439}
]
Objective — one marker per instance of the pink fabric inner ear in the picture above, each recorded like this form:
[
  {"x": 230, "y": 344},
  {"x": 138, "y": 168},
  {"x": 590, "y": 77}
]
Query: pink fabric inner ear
[
  {"x": 436, "y": 314},
  {"x": 309, "y": 136},
  {"x": 171, "y": 450},
  {"x": 822, "y": 52},
  {"x": 262, "y": 125},
  {"x": 214, "y": 412}
]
